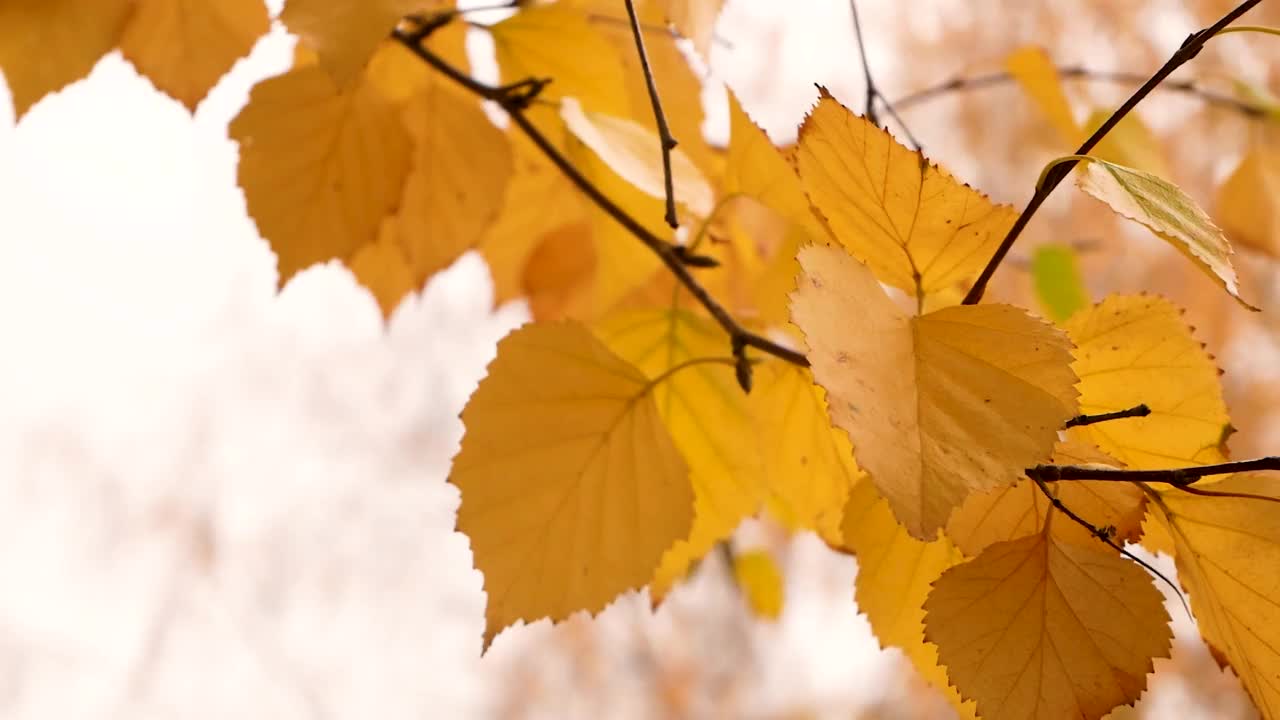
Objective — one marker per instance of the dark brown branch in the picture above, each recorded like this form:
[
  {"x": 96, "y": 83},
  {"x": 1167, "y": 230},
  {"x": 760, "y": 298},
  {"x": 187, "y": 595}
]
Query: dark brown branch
[
  {"x": 515, "y": 99},
  {"x": 666, "y": 139},
  {"x": 1189, "y": 49},
  {"x": 1135, "y": 411},
  {"x": 873, "y": 92},
  {"x": 1177, "y": 477},
  {"x": 1076, "y": 72}
]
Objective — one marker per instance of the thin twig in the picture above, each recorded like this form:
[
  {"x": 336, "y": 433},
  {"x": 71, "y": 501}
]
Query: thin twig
[
  {"x": 665, "y": 137},
  {"x": 873, "y": 92},
  {"x": 1076, "y": 72},
  {"x": 1104, "y": 534},
  {"x": 514, "y": 99},
  {"x": 1135, "y": 411},
  {"x": 1189, "y": 49},
  {"x": 1173, "y": 476}
]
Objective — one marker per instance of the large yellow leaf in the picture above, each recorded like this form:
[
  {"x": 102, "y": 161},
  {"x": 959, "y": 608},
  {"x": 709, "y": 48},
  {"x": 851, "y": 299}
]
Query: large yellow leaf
[
  {"x": 185, "y": 46},
  {"x": 1136, "y": 349},
  {"x": 809, "y": 465},
  {"x": 456, "y": 185},
  {"x": 344, "y": 33},
  {"x": 895, "y": 572},
  {"x": 959, "y": 400},
  {"x": 319, "y": 168},
  {"x": 708, "y": 416},
  {"x": 909, "y": 220},
  {"x": 1009, "y": 513},
  {"x": 1166, "y": 211},
  {"x": 1228, "y": 557},
  {"x": 571, "y": 486},
  {"x": 1043, "y": 628},
  {"x": 1249, "y": 201},
  {"x": 48, "y": 44},
  {"x": 1033, "y": 69},
  {"x": 635, "y": 154}
]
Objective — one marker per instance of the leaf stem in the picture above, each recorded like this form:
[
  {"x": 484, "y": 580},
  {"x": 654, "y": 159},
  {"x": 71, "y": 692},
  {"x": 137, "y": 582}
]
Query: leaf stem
[
  {"x": 514, "y": 99},
  {"x": 665, "y": 137},
  {"x": 1178, "y": 477},
  {"x": 1188, "y": 50},
  {"x": 1081, "y": 420}
]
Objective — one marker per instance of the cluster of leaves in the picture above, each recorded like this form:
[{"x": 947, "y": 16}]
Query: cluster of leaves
[{"x": 612, "y": 445}]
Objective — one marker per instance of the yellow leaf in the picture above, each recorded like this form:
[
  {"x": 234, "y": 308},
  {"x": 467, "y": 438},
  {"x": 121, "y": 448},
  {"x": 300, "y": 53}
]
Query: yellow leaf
[
  {"x": 895, "y": 572},
  {"x": 46, "y": 45},
  {"x": 551, "y": 41},
  {"x": 906, "y": 218},
  {"x": 319, "y": 168},
  {"x": 809, "y": 464},
  {"x": 1167, "y": 212},
  {"x": 1228, "y": 557},
  {"x": 760, "y": 581},
  {"x": 185, "y": 46},
  {"x": 460, "y": 167},
  {"x": 1012, "y": 512},
  {"x": 696, "y": 20},
  {"x": 1136, "y": 349},
  {"x": 1035, "y": 73},
  {"x": 382, "y": 268},
  {"x": 635, "y": 154},
  {"x": 757, "y": 169},
  {"x": 707, "y": 414},
  {"x": 1249, "y": 201},
  {"x": 558, "y": 269},
  {"x": 571, "y": 486},
  {"x": 1042, "y": 628},
  {"x": 344, "y": 33},
  {"x": 1129, "y": 143},
  {"x": 959, "y": 400}
]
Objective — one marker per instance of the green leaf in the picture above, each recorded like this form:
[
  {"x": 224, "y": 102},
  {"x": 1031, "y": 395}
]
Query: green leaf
[{"x": 1057, "y": 282}]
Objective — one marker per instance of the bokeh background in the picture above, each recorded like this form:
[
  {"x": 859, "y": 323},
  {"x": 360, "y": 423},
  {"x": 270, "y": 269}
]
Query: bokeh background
[{"x": 218, "y": 501}]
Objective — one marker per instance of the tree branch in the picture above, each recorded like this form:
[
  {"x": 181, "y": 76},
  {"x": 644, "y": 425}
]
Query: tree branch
[
  {"x": 515, "y": 99},
  {"x": 1178, "y": 477},
  {"x": 873, "y": 92},
  {"x": 665, "y": 137},
  {"x": 1135, "y": 411},
  {"x": 1189, "y": 49}
]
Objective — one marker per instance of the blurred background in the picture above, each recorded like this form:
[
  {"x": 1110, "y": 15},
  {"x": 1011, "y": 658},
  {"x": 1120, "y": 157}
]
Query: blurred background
[{"x": 219, "y": 501}]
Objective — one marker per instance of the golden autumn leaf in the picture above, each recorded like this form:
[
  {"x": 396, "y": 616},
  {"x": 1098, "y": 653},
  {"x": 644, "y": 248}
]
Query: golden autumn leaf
[
  {"x": 895, "y": 572},
  {"x": 1043, "y": 628},
  {"x": 558, "y": 269},
  {"x": 1248, "y": 203},
  {"x": 1228, "y": 558},
  {"x": 635, "y": 154},
  {"x": 1035, "y": 73},
  {"x": 382, "y": 268},
  {"x": 457, "y": 179},
  {"x": 1009, "y": 513},
  {"x": 185, "y": 46},
  {"x": 1136, "y": 349},
  {"x": 959, "y": 400},
  {"x": 757, "y": 169},
  {"x": 708, "y": 416},
  {"x": 694, "y": 19},
  {"x": 809, "y": 465},
  {"x": 915, "y": 226},
  {"x": 571, "y": 485},
  {"x": 760, "y": 581},
  {"x": 46, "y": 45},
  {"x": 1166, "y": 211},
  {"x": 344, "y": 33},
  {"x": 319, "y": 168}
]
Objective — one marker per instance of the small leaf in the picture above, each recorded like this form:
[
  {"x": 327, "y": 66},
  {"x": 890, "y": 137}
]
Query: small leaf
[
  {"x": 1166, "y": 211},
  {"x": 344, "y": 33},
  {"x": 760, "y": 580},
  {"x": 1249, "y": 201},
  {"x": 571, "y": 485},
  {"x": 915, "y": 226},
  {"x": 319, "y": 168},
  {"x": 695, "y": 20},
  {"x": 1228, "y": 557},
  {"x": 1035, "y": 73},
  {"x": 1056, "y": 278},
  {"x": 185, "y": 46},
  {"x": 46, "y": 45},
  {"x": 382, "y": 268},
  {"x": 1136, "y": 349},
  {"x": 635, "y": 154},
  {"x": 938, "y": 406},
  {"x": 1043, "y": 628}
]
